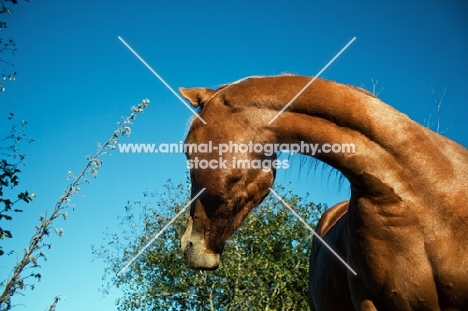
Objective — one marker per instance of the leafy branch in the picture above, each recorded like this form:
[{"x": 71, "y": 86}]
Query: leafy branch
[
  {"x": 8, "y": 45},
  {"x": 53, "y": 306},
  {"x": 10, "y": 163},
  {"x": 34, "y": 250}
]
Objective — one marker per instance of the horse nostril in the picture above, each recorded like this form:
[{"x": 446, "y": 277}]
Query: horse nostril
[{"x": 190, "y": 243}]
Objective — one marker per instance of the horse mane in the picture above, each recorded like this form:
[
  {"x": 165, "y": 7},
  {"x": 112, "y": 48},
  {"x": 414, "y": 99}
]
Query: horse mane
[
  {"x": 307, "y": 164},
  {"x": 222, "y": 86}
]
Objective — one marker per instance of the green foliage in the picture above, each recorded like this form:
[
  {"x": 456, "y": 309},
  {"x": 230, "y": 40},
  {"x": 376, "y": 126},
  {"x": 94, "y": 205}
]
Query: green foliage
[
  {"x": 6, "y": 45},
  {"x": 264, "y": 266},
  {"x": 11, "y": 160}
]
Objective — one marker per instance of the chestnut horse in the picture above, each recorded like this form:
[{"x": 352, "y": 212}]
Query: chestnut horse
[{"x": 405, "y": 228}]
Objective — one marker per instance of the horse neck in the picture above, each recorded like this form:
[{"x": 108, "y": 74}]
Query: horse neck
[{"x": 389, "y": 147}]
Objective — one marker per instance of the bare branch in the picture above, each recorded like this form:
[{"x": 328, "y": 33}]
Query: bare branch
[
  {"x": 374, "y": 87},
  {"x": 438, "y": 101}
]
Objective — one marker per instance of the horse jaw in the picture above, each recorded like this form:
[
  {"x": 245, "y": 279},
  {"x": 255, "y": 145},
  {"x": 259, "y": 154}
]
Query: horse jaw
[{"x": 195, "y": 252}]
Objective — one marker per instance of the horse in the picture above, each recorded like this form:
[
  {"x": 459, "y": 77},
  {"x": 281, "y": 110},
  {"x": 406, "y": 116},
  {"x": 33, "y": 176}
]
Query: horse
[{"x": 404, "y": 229}]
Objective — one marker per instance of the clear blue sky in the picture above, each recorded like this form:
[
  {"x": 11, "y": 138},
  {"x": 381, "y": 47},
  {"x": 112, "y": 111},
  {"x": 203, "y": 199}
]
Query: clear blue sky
[{"x": 76, "y": 79}]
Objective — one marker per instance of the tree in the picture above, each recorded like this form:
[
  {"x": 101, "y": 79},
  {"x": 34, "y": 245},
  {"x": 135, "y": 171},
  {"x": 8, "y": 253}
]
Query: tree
[{"x": 264, "y": 266}]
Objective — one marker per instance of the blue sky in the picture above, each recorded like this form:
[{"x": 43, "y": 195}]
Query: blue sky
[{"x": 76, "y": 79}]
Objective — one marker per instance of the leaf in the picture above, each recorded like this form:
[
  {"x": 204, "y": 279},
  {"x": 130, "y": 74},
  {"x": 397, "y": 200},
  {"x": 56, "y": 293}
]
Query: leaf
[
  {"x": 7, "y": 217},
  {"x": 24, "y": 196}
]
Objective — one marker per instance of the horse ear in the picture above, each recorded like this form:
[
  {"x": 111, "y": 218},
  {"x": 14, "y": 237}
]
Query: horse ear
[{"x": 197, "y": 96}]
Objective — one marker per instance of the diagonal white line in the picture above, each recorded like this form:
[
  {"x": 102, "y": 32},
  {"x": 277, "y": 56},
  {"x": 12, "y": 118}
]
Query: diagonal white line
[
  {"x": 161, "y": 79},
  {"x": 313, "y": 79},
  {"x": 312, "y": 230},
  {"x": 159, "y": 233}
]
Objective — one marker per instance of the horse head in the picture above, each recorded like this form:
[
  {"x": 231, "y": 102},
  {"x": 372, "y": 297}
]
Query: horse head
[{"x": 223, "y": 160}]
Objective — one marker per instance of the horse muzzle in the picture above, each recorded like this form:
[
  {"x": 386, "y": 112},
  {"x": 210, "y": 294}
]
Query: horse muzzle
[{"x": 197, "y": 256}]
